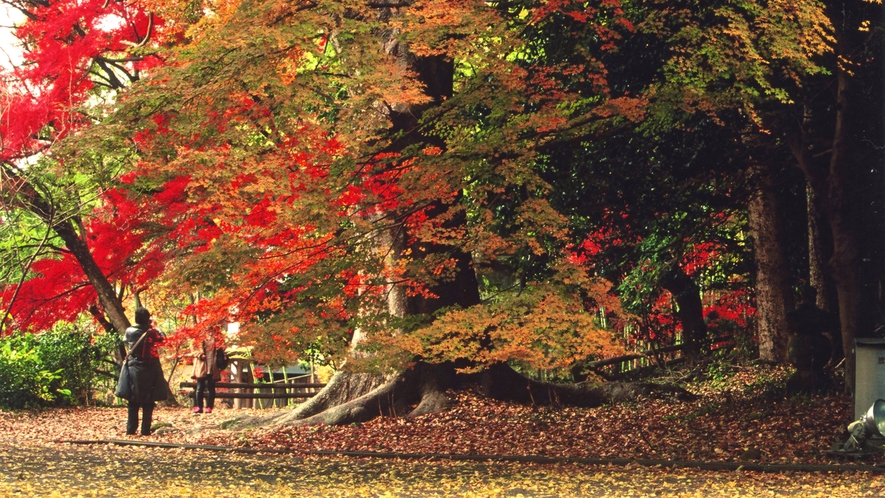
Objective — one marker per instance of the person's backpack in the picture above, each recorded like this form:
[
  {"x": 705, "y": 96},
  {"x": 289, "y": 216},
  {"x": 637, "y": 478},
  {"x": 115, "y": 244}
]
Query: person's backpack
[{"x": 221, "y": 359}]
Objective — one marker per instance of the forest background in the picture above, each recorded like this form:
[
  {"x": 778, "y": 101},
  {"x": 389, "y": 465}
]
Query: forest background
[{"x": 423, "y": 192}]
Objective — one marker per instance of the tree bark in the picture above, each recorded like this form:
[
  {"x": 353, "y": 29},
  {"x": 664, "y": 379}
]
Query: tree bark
[
  {"x": 773, "y": 295},
  {"x": 845, "y": 249},
  {"x": 829, "y": 183},
  {"x": 820, "y": 250},
  {"x": 107, "y": 296}
]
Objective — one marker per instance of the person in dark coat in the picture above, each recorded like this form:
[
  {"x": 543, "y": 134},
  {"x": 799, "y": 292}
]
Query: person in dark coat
[{"x": 141, "y": 378}]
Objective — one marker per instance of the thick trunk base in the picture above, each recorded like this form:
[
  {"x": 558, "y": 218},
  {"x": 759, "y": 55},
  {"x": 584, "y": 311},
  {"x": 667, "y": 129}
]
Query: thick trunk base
[{"x": 359, "y": 397}]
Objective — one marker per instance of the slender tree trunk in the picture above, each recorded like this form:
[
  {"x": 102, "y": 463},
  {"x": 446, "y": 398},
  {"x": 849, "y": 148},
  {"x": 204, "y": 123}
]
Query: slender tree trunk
[
  {"x": 845, "y": 248},
  {"x": 107, "y": 296},
  {"x": 690, "y": 311},
  {"x": 830, "y": 180},
  {"x": 820, "y": 249},
  {"x": 29, "y": 198},
  {"x": 773, "y": 296}
]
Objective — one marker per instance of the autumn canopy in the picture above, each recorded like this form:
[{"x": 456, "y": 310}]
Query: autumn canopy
[{"x": 443, "y": 186}]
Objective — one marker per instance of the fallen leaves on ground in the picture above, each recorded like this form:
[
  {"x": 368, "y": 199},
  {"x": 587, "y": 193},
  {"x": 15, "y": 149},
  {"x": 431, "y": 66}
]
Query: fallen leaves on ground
[
  {"x": 733, "y": 420},
  {"x": 109, "y": 470}
]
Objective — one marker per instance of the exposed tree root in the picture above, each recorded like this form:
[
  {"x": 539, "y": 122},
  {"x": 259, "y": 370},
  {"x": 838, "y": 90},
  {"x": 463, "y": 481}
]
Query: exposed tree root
[
  {"x": 344, "y": 388},
  {"x": 359, "y": 397}
]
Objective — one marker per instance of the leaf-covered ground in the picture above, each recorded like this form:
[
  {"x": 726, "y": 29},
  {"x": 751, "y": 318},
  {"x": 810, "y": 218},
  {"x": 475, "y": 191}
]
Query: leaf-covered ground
[{"x": 738, "y": 418}]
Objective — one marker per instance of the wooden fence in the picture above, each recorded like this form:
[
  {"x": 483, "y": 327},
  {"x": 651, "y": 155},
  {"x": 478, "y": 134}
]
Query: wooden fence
[
  {"x": 247, "y": 390},
  {"x": 609, "y": 368},
  {"x": 616, "y": 367},
  {"x": 269, "y": 390}
]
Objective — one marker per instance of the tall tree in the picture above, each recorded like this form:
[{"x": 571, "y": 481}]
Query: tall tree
[
  {"x": 753, "y": 67},
  {"x": 833, "y": 147},
  {"x": 762, "y": 69},
  {"x": 364, "y": 171},
  {"x": 71, "y": 52}
]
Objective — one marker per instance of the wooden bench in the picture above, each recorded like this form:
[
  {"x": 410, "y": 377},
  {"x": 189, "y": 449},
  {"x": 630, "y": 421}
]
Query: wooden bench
[{"x": 277, "y": 390}]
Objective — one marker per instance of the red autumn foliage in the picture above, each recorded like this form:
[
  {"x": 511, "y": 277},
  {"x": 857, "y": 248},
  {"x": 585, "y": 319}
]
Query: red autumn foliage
[{"x": 65, "y": 38}]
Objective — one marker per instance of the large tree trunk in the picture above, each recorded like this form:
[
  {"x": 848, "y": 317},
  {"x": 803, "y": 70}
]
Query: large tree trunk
[
  {"x": 355, "y": 396},
  {"x": 773, "y": 295},
  {"x": 422, "y": 389}
]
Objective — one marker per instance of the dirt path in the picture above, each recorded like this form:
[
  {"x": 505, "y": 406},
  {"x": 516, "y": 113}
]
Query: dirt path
[
  {"x": 33, "y": 463},
  {"x": 55, "y": 469}
]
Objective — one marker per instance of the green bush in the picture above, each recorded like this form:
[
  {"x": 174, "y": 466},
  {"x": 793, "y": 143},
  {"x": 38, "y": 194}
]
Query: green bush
[
  {"x": 60, "y": 367},
  {"x": 25, "y": 381}
]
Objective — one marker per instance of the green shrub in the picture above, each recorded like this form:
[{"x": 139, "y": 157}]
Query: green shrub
[
  {"x": 84, "y": 360},
  {"x": 25, "y": 382},
  {"x": 60, "y": 367}
]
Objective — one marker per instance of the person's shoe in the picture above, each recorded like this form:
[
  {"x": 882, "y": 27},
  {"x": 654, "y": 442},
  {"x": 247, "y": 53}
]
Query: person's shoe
[
  {"x": 208, "y": 410},
  {"x": 197, "y": 410}
]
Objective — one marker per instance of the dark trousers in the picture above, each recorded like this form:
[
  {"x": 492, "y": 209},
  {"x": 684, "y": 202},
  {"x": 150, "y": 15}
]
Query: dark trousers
[
  {"x": 132, "y": 420},
  {"x": 205, "y": 389}
]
